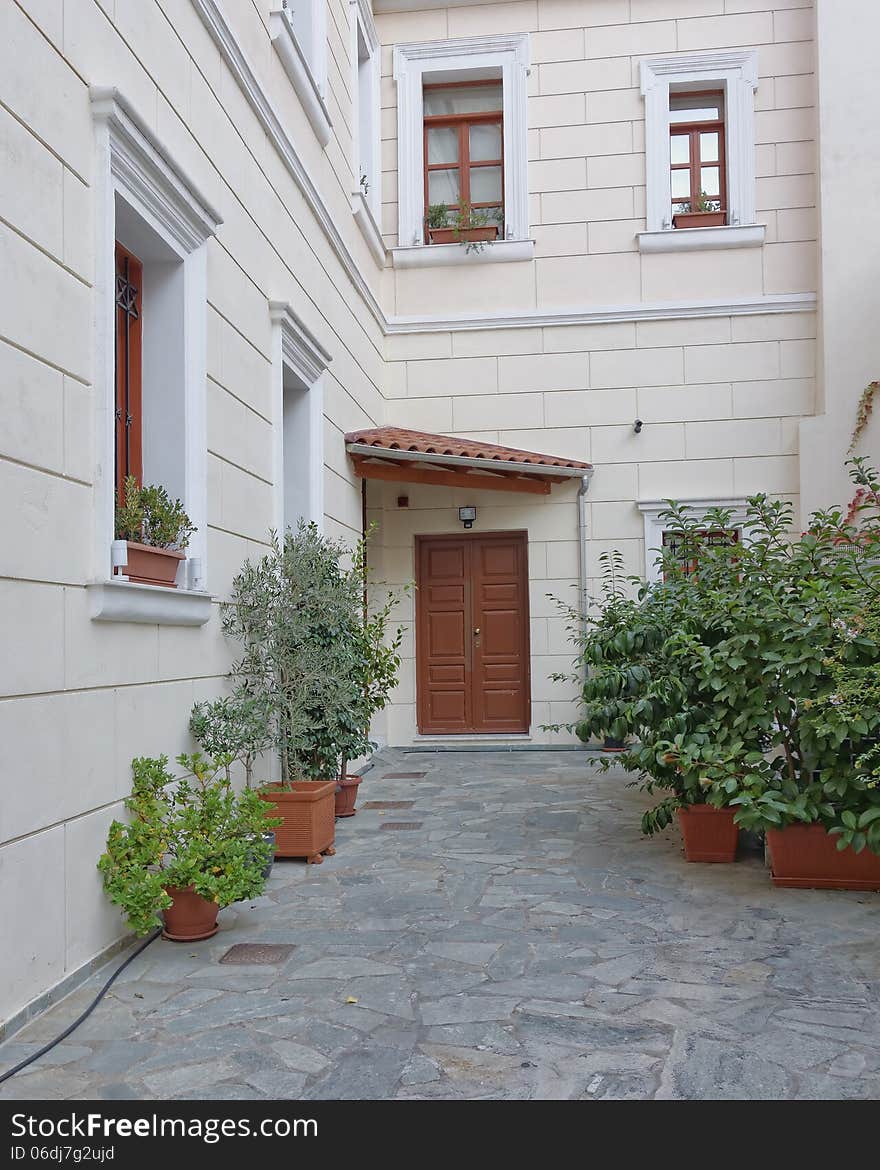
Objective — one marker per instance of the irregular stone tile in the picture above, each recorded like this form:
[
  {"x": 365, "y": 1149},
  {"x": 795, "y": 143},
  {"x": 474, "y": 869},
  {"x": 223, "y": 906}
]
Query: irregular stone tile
[{"x": 466, "y": 1009}]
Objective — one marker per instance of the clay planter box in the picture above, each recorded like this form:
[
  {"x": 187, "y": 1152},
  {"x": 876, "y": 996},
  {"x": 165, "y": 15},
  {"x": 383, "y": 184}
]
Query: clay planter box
[
  {"x": 805, "y": 857},
  {"x": 190, "y": 917},
  {"x": 699, "y": 219},
  {"x": 152, "y": 566},
  {"x": 709, "y": 833},
  {"x": 309, "y": 825},
  {"x": 346, "y": 795},
  {"x": 484, "y": 235}
]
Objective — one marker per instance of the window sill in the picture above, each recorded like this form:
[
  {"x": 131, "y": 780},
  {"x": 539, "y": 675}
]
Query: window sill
[
  {"x": 366, "y": 221},
  {"x": 128, "y": 601},
  {"x": 703, "y": 239},
  {"x": 301, "y": 77},
  {"x": 441, "y": 255}
]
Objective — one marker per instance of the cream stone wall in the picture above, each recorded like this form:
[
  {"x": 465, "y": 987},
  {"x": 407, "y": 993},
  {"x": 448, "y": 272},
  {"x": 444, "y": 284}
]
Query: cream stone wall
[
  {"x": 81, "y": 698},
  {"x": 714, "y": 351}
]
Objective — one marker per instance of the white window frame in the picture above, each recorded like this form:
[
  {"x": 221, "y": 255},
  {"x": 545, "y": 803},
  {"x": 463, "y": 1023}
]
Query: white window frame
[
  {"x": 133, "y": 166},
  {"x": 655, "y": 527},
  {"x": 736, "y": 73},
  {"x": 295, "y": 347},
  {"x": 305, "y": 61},
  {"x": 507, "y": 53},
  {"x": 366, "y": 136}
]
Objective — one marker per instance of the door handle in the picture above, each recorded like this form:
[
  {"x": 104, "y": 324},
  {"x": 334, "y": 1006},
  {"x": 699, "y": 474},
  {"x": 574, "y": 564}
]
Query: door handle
[{"x": 477, "y": 632}]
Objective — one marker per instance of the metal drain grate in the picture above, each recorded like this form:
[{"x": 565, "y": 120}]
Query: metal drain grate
[
  {"x": 388, "y": 804},
  {"x": 404, "y": 775},
  {"x": 258, "y": 953},
  {"x": 401, "y": 825}
]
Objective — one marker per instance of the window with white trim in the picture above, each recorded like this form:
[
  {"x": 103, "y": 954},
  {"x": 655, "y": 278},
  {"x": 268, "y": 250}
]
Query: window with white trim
[
  {"x": 442, "y": 159},
  {"x": 659, "y": 540},
  {"x": 700, "y": 151},
  {"x": 299, "y": 35},
  {"x": 308, "y": 23},
  {"x": 151, "y": 298}
]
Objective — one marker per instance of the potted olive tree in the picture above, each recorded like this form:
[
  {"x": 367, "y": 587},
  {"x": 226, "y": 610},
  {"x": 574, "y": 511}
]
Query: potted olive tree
[
  {"x": 156, "y": 531},
  {"x": 293, "y": 613},
  {"x": 191, "y": 846}
]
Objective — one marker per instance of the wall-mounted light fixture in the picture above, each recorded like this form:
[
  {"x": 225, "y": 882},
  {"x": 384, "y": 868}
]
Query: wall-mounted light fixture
[{"x": 467, "y": 516}]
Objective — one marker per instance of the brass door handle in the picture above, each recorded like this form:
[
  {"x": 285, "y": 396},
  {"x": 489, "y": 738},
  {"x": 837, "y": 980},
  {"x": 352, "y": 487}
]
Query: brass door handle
[{"x": 477, "y": 632}]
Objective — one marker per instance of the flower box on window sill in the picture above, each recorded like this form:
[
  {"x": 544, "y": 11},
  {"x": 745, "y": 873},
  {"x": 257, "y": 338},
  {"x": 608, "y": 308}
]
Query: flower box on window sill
[
  {"x": 147, "y": 565},
  {"x": 699, "y": 219},
  {"x": 474, "y": 235}
]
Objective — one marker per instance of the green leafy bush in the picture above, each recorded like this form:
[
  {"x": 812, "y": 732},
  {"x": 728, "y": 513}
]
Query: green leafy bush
[
  {"x": 148, "y": 515},
  {"x": 188, "y": 831},
  {"x": 748, "y": 681}
]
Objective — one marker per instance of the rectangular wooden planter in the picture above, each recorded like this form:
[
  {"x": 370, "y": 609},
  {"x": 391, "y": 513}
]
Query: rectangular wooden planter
[
  {"x": 709, "y": 833},
  {"x": 152, "y": 566},
  {"x": 309, "y": 821},
  {"x": 806, "y": 857},
  {"x": 699, "y": 219}
]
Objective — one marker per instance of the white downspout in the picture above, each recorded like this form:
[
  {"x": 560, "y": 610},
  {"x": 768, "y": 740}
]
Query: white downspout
[{"x": 582, "y": 542}]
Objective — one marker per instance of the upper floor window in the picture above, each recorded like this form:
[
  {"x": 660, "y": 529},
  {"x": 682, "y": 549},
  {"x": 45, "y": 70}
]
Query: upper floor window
[
  {"x": 129, "y": 369},
  {"x": 308, "y": 23},
  {"x": 696, "y": 156},
  {"x": 299, "y": 35},
  {"x": 686, "y": 556},
  {"x": 464, "y": 159}
]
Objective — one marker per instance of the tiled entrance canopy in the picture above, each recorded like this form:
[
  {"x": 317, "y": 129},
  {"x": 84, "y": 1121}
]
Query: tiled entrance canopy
[{"x": 403, "y": 456}]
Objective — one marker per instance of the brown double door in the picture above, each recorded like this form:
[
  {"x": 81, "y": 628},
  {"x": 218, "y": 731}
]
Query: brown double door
[{"x": 472, "y": 634}]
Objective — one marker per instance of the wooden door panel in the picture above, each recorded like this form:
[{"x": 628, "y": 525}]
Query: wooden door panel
[{"x": 472, "y": 650}]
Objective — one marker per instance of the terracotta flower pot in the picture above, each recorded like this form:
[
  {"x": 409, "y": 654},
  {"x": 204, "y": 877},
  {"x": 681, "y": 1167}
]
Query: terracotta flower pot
[
  {"x": 699, "y": 219},
  {"x": 308, "y": 828},
  {"x": 474, "y": 235},
  {"x": 190, "y": 916},
  {"x": 346, "y": 795},
  {"x": 806, "y": 857},
  {"x": 152, "y": 566},
  {"x": 709, "y": 833}
]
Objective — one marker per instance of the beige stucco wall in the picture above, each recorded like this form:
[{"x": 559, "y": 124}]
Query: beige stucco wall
[{"x": 720, "y": 395}]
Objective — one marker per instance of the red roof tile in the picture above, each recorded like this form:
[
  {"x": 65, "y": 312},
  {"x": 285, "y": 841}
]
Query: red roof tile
[{"x": 398, "y": 439}]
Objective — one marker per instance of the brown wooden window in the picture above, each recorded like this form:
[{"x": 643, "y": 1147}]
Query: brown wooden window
[
  {"x": 129, "y": 386},
  {"x": 464, "y": 148},
  {"x": 696, "y": 152},
  {"x": 679, "y": 548}
]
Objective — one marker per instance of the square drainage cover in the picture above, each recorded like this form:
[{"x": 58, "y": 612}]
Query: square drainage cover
[
  {"x": 258, "y": 953},
  {"x": 401, "y": 825},
  {"x": 404, "y": 775},
  {"x": 388, "y": 804}
]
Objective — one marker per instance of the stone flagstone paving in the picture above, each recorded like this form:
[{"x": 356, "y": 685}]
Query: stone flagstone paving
[{"x": 525, "y": 942}]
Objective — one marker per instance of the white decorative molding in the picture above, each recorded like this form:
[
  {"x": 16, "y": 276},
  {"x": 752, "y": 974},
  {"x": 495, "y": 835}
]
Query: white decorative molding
[
  {"x": 134, "y": 171},
  {"x": 505, "y": 53},
  {"x": 709, "y": 239},
  {"x": 442, "y": 255},
  {"x": 736, "y": 72},
  {"x": 363, "y": 217},
  {"x": 145, "y": 169},
  {"x": 296, "y": 349},
  {"x": 669, "y": 311},
  {"x": 217, "y": 25},
  {"x": 652, "y": 510},
  {"x": 366, "y": 137},
  {"x": 298, "y": 69},
  {"x": 129, "y": 601}
]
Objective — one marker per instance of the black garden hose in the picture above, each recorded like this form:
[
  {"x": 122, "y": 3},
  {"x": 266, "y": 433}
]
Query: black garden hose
[{"x": 84, "y": 1016}]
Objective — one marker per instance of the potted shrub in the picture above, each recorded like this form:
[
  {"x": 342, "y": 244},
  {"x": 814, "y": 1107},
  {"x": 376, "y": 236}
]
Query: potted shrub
[
  {"x": 234, "y": 728},
  {"x": 469, "y": 226},
  {"x": 156, "y": 531},
  {"x": 294, "y": 614},
  {"x": 706, "y": 212},
  {"x": 192, "y": 846}
]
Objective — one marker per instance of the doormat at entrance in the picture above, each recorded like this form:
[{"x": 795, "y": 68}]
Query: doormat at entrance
[
  {"x": 388, "y": 804},
  {"x": 258, "y": 953},
  {"x": 401, "y": 825}
]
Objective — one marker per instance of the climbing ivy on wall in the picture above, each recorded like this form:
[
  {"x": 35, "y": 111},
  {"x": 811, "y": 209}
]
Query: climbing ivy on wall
[{"x": 863, "y": 412}]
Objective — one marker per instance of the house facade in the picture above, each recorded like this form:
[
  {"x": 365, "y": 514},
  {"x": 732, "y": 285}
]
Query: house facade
[{"x": 238, "y": 262}]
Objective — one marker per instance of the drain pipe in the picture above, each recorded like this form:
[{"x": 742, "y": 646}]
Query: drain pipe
[{"x": 582, "y": 545}]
